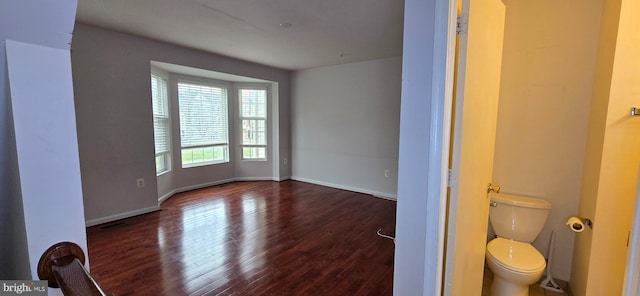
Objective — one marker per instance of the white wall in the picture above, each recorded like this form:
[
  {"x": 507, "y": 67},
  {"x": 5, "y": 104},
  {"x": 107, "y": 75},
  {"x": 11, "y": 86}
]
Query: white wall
[
  {"x": 115, "y": 130},
  {"x": 47, "y": 27},
  {"x": 594, "y": 148},
  {"x": 427, "y": 84},
  {"x": 47, "y": 147},
  {"x": 609, "y": 199},
  {"x": 548, "y": 70},
  {"x": 14, "y": 260},
  {"x": 345, "y": 125}
]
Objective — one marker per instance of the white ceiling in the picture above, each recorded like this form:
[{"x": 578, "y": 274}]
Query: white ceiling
[{"x": 321, "y": 32}]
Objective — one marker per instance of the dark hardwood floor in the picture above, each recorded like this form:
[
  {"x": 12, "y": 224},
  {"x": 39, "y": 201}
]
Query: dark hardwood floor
[{"x": 250, "y": 238}]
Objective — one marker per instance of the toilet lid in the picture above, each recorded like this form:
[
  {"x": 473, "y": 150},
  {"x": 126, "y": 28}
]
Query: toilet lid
[{"x": 516, "y": 256}]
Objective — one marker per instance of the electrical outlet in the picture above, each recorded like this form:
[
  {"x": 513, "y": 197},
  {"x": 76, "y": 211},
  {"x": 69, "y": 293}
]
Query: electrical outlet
[
  {"x": 387, "y": 173},
  {"x": 140, "y": 182}
]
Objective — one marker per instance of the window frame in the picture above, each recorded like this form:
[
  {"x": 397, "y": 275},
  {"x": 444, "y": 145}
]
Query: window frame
[
  {"x": 225, "y": 146},
  {"x": 166, "y": 155},
  {"x": 241, "y": 118}
]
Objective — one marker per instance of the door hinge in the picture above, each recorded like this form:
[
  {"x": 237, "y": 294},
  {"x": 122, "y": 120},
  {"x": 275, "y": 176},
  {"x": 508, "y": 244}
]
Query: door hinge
[
  {"x": 451, "y": 179},
  {"x": 462, "y": 24}
]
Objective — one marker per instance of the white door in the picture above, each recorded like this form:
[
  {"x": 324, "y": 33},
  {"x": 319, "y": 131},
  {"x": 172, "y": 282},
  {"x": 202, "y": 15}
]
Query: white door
[{"x": 477, "y": 87}]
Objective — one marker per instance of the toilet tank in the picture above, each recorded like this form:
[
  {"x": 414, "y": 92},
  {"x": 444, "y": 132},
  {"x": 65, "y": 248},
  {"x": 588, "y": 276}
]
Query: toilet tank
[{"x": 519, "y": 218}]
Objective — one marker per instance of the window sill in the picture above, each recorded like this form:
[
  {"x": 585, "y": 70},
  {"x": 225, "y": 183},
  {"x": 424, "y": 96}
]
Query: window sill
[
  {"x": 162, "y": 173},
  {"x": 200, "y": 164}
]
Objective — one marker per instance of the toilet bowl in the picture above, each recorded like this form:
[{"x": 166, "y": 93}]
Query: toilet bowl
[
  {"x": 515, "y": 266},
  {"x": 515, "y": 263}
]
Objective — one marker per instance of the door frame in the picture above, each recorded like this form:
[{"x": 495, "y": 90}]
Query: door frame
[{"x": 427, "y": 96}]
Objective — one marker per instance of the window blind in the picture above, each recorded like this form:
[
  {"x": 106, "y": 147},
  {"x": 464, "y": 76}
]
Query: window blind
[
  {"x": 160, "y": 106},
  {"x": 203, "y": 115},
  {"x": 160, "y": 113}
]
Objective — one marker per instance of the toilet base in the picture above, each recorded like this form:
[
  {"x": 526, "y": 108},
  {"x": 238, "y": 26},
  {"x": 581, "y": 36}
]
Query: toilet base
[{"x": 501, "y": 287}]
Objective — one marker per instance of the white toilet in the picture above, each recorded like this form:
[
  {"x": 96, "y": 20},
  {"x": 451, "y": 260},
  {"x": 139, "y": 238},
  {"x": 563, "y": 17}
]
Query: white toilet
[{"x": 516, "y": 264}]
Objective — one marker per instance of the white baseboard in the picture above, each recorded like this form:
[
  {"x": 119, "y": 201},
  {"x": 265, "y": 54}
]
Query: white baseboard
[
  {"x": 349, "y": 188},
  {"x": 193, "y": 187},
  {"x": 253, "y": 178},
  {"x": 121, "y": 216},
  {"x": 169, "y": 194},
  {"x": 387, "y": 196},
  {"x": 280, "y": 179},
  {"x": 214, "y": 183}
]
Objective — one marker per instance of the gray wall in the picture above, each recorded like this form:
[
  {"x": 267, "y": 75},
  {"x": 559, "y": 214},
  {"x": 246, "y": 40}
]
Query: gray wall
[
  {"x": 114, "y": 118},
  {"x": 345, "y": 125}
]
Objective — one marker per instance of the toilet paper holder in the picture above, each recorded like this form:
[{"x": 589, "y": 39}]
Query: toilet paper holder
[{"x": 587, "y": 222}]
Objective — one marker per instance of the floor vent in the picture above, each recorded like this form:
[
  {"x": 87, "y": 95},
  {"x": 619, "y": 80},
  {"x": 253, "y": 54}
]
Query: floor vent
[{"x": 112, "y": 225}]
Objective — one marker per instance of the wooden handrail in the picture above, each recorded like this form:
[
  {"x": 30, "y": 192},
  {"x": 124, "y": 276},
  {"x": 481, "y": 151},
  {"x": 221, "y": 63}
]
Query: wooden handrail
[{"x": 62, "y": 266}]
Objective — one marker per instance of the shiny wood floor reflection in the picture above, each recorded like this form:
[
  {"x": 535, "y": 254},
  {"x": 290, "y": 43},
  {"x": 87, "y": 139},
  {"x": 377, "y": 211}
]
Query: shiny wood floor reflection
[{"x": 250, "y": 238}]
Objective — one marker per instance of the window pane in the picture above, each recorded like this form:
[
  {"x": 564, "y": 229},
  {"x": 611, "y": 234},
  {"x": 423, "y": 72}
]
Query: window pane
[
  {"x": 203, "y": 115},
  {"x": 160, "y": 164},
  {"x": 253, "y": 112},
  {"x": 159, "y": 91},
  {"x": 204, "y": 155},
  {"x": 161, "y": 124},
  {"x": 203, "y": 124},
  {"x": 161, "y": 134},
  {"x": 254, "y": 132},
  {"x": 254, "y": 152},
  {"x": 187, "y": 156},
  {"x": 253, "y": 103}
]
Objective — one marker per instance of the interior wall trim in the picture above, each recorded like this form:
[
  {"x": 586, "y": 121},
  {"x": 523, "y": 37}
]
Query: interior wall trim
[
  {"x": 124, "y": 215},
  {"x": 214, "y": 183},
  {"x": 161, "y": 199},
  {"x": 378, "y": 194}
]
